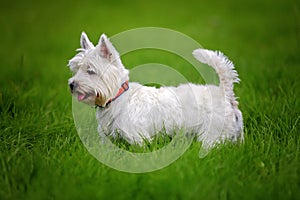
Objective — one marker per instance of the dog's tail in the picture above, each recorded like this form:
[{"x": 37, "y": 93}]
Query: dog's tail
[{"x": 224, "y": 68}]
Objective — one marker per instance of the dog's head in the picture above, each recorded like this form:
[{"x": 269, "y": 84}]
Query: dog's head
[{"x": 97, "y": 71}]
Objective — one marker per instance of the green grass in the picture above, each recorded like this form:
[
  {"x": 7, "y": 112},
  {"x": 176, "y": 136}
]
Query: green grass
[{"x": 41, "y": 155}]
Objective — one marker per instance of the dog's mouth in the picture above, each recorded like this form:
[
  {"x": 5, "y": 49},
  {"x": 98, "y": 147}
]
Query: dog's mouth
[{"x": 82, "y": 96}]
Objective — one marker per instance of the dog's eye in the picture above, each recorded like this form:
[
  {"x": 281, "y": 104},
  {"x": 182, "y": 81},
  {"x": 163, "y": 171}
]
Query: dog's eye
[{"x": 91, "y": 71}]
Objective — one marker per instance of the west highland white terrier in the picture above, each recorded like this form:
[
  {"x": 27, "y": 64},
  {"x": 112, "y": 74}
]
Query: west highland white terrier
[{"x": 137, "y": 113}]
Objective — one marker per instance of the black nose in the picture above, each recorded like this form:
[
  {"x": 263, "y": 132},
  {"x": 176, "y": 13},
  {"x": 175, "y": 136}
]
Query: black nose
[{"x": 72, "y": 86}]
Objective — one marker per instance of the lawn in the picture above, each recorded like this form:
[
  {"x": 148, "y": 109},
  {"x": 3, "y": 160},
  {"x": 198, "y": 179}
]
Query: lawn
[{"x": 41, "y": 154}]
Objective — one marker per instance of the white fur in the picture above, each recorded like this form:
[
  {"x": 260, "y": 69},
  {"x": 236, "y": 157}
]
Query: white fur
[{"x": 210, "y": 112}]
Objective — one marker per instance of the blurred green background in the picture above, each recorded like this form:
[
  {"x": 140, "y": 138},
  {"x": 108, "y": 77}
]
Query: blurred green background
[{"x": 41, "y": 156}]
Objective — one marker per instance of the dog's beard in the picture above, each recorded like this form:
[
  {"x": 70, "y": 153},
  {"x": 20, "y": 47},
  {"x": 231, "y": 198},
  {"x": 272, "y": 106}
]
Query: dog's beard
[{"x": 84, "y": 94}]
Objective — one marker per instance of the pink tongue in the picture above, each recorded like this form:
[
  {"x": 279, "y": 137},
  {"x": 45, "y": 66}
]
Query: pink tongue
[{"x": 80, "y": 97}]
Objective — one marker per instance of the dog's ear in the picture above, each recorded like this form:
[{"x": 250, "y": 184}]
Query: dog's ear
[
  {"x": 85, "y": 42},
  {"x": 106, "y": 49}
]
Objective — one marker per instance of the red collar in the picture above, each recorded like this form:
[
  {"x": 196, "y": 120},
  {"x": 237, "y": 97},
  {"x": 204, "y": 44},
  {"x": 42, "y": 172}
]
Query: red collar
[{"x": 124, "y": 87}]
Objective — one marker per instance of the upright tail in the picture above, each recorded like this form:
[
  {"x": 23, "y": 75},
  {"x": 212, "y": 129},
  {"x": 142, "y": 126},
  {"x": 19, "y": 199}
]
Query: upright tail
[{"x": 224, "y": 68}]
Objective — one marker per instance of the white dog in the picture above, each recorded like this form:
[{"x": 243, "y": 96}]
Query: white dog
[{"x": 136, "y": 112}]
